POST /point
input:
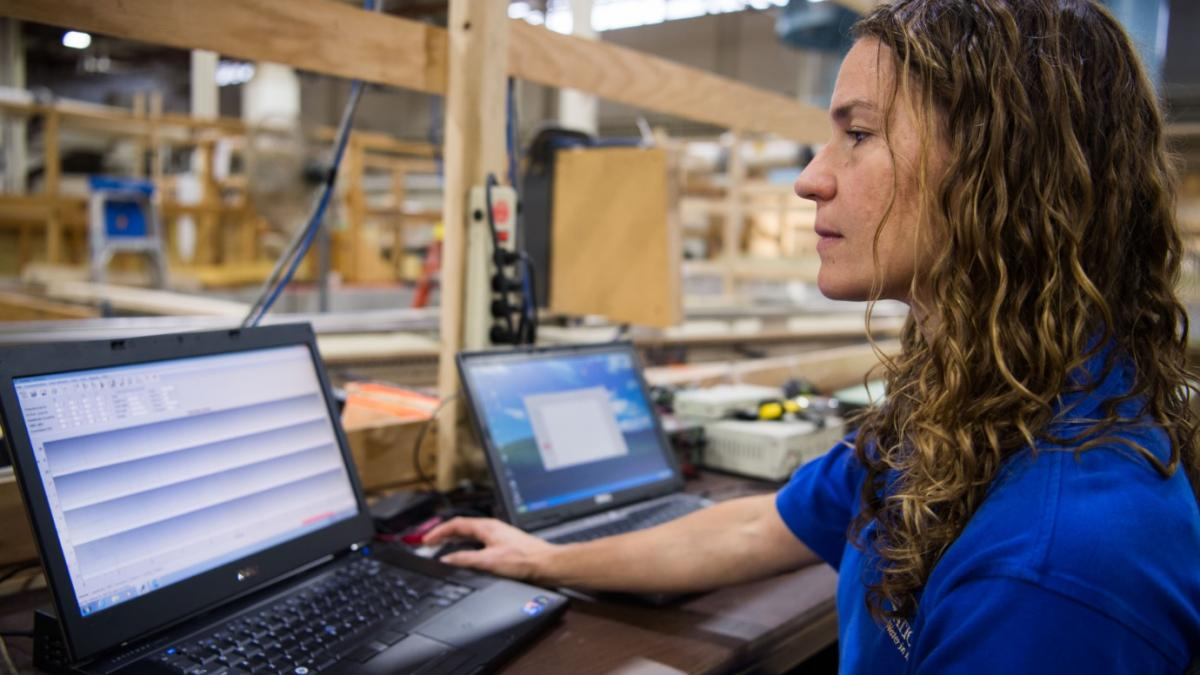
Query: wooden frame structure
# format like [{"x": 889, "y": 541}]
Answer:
[
  {"x": 149, "y": 129},
  {"x": 226, "y": 231},
  {"x": 468, "y": 62}
]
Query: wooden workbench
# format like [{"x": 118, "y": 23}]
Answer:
[{"x": 767, "y": 626}]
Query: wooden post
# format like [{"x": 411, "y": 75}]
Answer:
[
  {"x": 156, "y": 150},
  {"x": 210, "y": 201},
  {"x": 399, "y": 193},
  {"x": 155, "y": 145},
  {"x": 139, "y": 141},
  {"x": 53, "y": 173},
  {"x": 356, "y": 201},
  {"x": 576, "y": 109},
  {"x": 205, "y": 99},
  {"x": 13, "y": 137},
  {"x": 474, "y": 146},
  {"x": 780, "y": 237},
  {"x": 731, "y": 240},
  {"x": 24, "y": 256}
]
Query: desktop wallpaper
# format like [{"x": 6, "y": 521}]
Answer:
[{"x": 502, "y": 390}]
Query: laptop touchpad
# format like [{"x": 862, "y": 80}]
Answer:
[
  {"x": 498, "y": 612},
  {"x": 405, "y": 656}
]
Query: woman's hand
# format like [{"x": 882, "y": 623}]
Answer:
[
  {"x": 507, "y": 551},
  {"x": 732, "y": 542}
]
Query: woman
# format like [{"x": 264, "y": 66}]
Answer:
[{"x": 1025, "y": 501}]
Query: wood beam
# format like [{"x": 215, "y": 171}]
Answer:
[
  {"x": 731, "y": 238},
  {"x": 25, "y": 307},
  {"x": 631, "y": 77},
  {"x": 356, "y": 202},
  {"x": 337, "y": 39},
  {"x": 474, "y": 147},
  {"x": 143, "y": 300},
  {"x": 324, "y": 36},
  {"x": 374, "y": 141},
  {"x": 827, "y": 369},
  {"x": 176, "y": 127},
  {"x": 53, "y": 175}
]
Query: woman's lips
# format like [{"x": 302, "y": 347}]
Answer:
[{"x": 829, "y": 238}]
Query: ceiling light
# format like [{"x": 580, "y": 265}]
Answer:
[
  {"x": 234, "y": 72},
  {"x": 76, "y": 40}
]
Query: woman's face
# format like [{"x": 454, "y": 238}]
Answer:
[{"x": 852, "y": 180}]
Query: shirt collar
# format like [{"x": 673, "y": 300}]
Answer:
[{"x": 1107, "y": 374}]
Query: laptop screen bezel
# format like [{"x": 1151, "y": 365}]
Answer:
[
  {"x": 550, "y": 516},
  {"x": 87, "y": 636}
]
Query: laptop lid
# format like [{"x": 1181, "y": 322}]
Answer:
[
  {"x": 567, "y": 431},
  {"x": 167, "y": 475}
]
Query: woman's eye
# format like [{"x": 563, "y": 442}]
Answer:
[{"x": 858, "y": 136}]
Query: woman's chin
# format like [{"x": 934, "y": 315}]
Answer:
[{"x": 841, "y": 289}]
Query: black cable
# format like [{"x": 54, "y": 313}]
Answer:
[
  {"x": 8, "y": 662},
  {"x": 529, "y": 299},
  {"x": 304, "y": 237},
  {"x": 511, "y": 133},
  {"x": 526, "y": 332},
  {"x": 499, "y": 259},
  {"x": 17, "y": 569},
  {"x": 277, "y": 271}
]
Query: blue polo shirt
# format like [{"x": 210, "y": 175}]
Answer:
[{"x": 1086, "y": 565}]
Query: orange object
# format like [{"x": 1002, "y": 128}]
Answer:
[
  {"x": 433, "y": 264},
  {"x": 401, "y": 403}
]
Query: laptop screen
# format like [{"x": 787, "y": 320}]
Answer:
[
  {"x": 566, "y": 426},
  {"x": 157, "y": 472}
]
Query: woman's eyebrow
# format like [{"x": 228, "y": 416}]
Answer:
[{"x": 846, "y": 110}]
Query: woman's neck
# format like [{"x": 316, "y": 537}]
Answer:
[{"x": 927, "y": 320}]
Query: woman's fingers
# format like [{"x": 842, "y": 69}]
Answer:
[
  {"x": 456, "y": 528},
  {"x": 473, "y": 559}
]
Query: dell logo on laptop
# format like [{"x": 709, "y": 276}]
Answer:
[
  {"x": 604, "y": 498},
  {"x": 247, "y": 572}
]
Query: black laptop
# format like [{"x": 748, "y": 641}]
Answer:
[
  {"x": 198, "y": 511},
  {"x": 575, "y": 447}
]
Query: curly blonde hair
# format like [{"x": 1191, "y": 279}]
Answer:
[{"x": 1052, "y": 236}]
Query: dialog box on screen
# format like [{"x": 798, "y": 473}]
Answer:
[{"x": 575, "y": 427}]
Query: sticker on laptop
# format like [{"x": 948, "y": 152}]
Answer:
[{"x": 536, "y": 606}]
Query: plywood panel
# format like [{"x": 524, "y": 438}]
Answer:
[{"x": 615, "y": 253}]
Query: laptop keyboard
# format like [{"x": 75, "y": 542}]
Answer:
[
  {"x": 319, "y": 625},
  {"x": 640, "y": 519}
]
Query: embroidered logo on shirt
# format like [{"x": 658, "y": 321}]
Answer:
[{"x": 901, "y": 634}]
